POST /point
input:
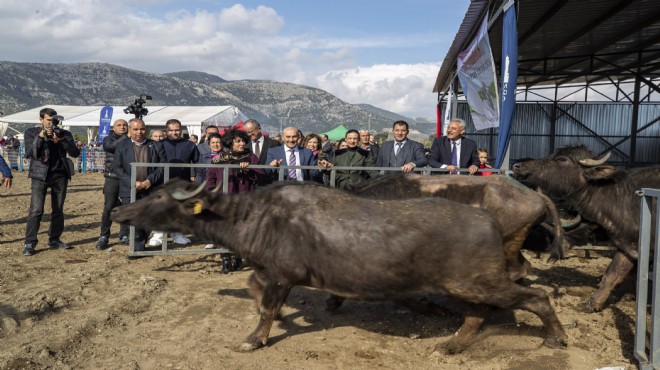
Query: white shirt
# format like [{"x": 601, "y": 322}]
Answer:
[{"x": 261, "y": 145}]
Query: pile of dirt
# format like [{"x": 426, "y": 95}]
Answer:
[{"x": 83, "y": 308}]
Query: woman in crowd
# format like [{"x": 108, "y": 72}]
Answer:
[
  {"x": 313, "y": 143},
  {"x": 241, "y": 180}
]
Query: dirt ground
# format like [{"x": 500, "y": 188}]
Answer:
[{"x": 88, "y": 309}]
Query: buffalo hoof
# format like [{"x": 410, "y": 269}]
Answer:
[
  {"x": 454, "y": 346},
  {"x": 589, "y": 307},
  {"x": 555, "y": 342},
  {"x": 248, "y": 347}
]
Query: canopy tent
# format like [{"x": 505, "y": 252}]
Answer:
[
  {"x": 336, "y": 133},
  {"x": 193, "y": 118}
]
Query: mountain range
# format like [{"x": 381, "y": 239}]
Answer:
[{"x": 274, "y": 104}]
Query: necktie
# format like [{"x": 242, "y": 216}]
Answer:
[
  {"x": 454, "y": 155},
  {"x": 292, "y": 162},
  {"x": 257, "y": 151},
  {"x": 397, "y": 149}
]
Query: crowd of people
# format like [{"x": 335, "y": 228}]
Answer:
[{"x": 129, "y": 142}]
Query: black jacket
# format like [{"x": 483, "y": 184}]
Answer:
[
  {"x": 43, "y": 152},
  {"x": 109, "y": 144},
  {"x": 124, "y": 156}
]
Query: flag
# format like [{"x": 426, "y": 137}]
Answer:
[
  {"x": 105, "y": 120},
  {"x": 476, "y": 71},
  {"x": 509, "y": 79},
  {"x": 438, "y": 126}
]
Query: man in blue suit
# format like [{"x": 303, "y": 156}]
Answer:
[
  {"x": 290, "y": 154},
  {"x": 141, "y": 150},
  {"x": 454, "y": 151},
  {"x": 401, "y": 152}
]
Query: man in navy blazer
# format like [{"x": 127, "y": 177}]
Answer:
[
  {"x": 280, "y": 155},
  {"x": 401, "y": 152},
  {"x": 259, "y": 145},
  {"x": 466, "y": 149},
  {"x": 143, "y": 150}
]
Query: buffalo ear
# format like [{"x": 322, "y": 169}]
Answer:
[
  {"x": 196, "y": 205},
  {"x": 599, "y": 172}
]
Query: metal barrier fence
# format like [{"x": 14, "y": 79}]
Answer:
[
  {"x": 90, "y": 159},
  {"x": 225, "y": 188},
  {"x": 648, "y": 355}
]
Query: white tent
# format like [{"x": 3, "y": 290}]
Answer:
[{"x": 193, "y": 118}]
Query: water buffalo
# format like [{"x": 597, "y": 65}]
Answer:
[
  {"x": 289, "y": 239},
  {"x": 601, "y": 193},
  {"x": 515, "y": 207}
]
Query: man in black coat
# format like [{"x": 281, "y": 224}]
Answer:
[
  {"x": 259, "y": 145},
  {"x": 454, "y": 151},
  {"x": 141, "y": 150},
  {"x": 48, "y": 146},
  {"x": 111, "y": 185}
]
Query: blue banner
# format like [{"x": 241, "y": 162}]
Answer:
[
  {"x": 509, "y": 79},
  {"x": 105, "y": 120}
]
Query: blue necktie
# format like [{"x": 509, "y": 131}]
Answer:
[{"x": 454, "y": 155}]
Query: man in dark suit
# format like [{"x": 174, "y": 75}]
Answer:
[
  {"x": 454, "y": 151},
  {"x": 138, "y": 149},
  {"x": 290, "y": 154},
  {"x": 401, "y": 152},
  {"x": 259, "y": 145}
]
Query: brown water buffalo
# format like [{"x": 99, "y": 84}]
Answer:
[
  {"x": 515, "y": 207},
  {"x": 289, "y": 239},
  {"x": 602, "y": 194}
]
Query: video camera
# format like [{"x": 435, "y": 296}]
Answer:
[
  {"x": 57, "y": 119},
  {"x": 136, "y": 108}
]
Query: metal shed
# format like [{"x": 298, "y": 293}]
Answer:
[{"x": 588, "y": 72}]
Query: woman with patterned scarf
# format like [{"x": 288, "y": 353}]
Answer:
[{"x": 241, "y": 180}]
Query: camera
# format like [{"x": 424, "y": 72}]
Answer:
[
  {"x": 57, "y": 119},
  {"x": 136, "y": 108}
]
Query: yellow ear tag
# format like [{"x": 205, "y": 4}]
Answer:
[{"x": 197, "y": 208}]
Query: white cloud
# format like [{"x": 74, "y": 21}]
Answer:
[
  {"x": 403, "y": 88},
  {"x": 233, "y": 43}
]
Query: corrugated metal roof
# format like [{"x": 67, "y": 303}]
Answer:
[{"x": 562, "y": 41}]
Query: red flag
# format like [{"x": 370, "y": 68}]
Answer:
[{"x": 438, "y": 126}]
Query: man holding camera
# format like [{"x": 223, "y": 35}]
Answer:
[{"x": 48, "y": 146}]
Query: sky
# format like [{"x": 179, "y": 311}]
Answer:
[{"x": 381, "y": 52}]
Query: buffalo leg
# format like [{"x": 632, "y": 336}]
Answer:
[
  {"x": 516, "y": 264},
  {"x": 616, "y": 272},
  {"x": 257, "y": 290},
  {"x": 537, "y": 302},
  {"x": 272, "y": 300},
  {"x": 474, "y": 316}
]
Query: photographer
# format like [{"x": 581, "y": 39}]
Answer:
[{"x": 47, "y": 147}]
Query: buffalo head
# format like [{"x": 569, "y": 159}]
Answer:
[
  {"x": 564, "y": 172},
  {"x": 171, "y": 208}
]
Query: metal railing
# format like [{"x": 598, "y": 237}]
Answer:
[
  {"x": 90, "y": 159},
  {"x": 648, "y": 356}
]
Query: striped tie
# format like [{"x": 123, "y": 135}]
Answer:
[{"x": 292, "y": 162}]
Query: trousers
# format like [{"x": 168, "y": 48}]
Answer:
[
  {"x": 140, "y": 234},
  {"x": 111, "y": 200},
  {"x": 57, "y": 184}
]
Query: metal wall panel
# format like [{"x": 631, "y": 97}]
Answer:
[{"x": 596, "y": 125}]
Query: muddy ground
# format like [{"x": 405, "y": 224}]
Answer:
[{"x": 88, "y": 309}]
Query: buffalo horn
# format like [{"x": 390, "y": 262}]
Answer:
[
  {"x": 570, "y": 223},
  {"x": 217, "y": 188},
  {"x": 595, "y": 162},
  {"x": 183, "y": 195}
]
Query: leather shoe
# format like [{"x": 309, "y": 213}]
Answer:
[
  {"x": 28, "y": 250},
  {"x": 102, "y": 243},
  {"x": 58, "y": 244}
]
